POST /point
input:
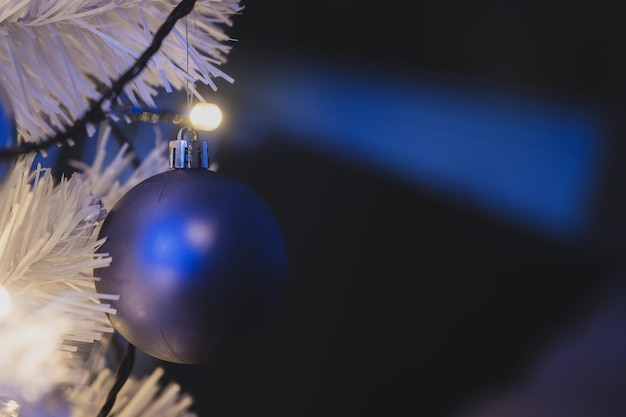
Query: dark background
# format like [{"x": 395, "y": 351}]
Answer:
[{"x": 403, "y": 298}]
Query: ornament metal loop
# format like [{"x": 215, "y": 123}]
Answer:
[
  {"x": 185, "y": 131},
  {"x": 188, "y": 153}
]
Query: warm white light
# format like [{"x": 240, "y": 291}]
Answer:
[
  {"x": 9, "y": 408},
  {"x": 205, "y": 116},
  {"x": 5, "y": 301}
]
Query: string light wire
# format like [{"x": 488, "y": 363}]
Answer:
[
  {"x": 95, "y": 112},
  {"x": 123, "y": 372}
]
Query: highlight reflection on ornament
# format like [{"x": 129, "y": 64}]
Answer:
[{"x": 198, "y": 260}]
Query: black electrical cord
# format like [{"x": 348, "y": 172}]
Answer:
[
  {"x": 95, "y": 114},
  {"x": 123, "y": 372}
]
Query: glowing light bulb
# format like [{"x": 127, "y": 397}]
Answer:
[
  {"x": 9, "y": 408},
  {"x": 206, "y": 116},
  {"x": 5, "y": 301}
]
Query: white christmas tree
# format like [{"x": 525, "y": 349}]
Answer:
[{"x": 63, "y": 66}]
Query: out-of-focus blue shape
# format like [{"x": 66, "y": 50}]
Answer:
[{"x": 528, "y": 160}]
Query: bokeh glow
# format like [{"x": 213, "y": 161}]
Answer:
[{"x": 206, "y": 116}]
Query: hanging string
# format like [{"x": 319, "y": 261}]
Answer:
[
  {"x": 187, "y": 69},
  {"x": 95, "y": 113}
]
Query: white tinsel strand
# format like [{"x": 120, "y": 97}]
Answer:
[{"x": 53, "y": 54}]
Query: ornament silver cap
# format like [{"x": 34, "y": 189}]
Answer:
[{"x": 187, "y": 152}]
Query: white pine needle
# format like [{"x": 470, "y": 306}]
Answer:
[
  {"x": 47, "y": 255},
  {"x": 52, "y": 50},
  {"x": 104, "y": 180},
  {"x": 144, "y": 397}
]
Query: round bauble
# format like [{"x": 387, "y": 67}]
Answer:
[
  {"x": 199, "y": 262},
  {"x": 8, "y": 133}
]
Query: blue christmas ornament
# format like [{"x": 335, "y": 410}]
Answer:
[
  {"x": 8, "y": 133},
  {"x": 198, "y": 260}
]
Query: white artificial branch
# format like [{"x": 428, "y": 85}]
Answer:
[
  {"x": 47, "y": 255},
  {"x": 54, "y": 53},
  {"x": 48, "y": 250}
]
